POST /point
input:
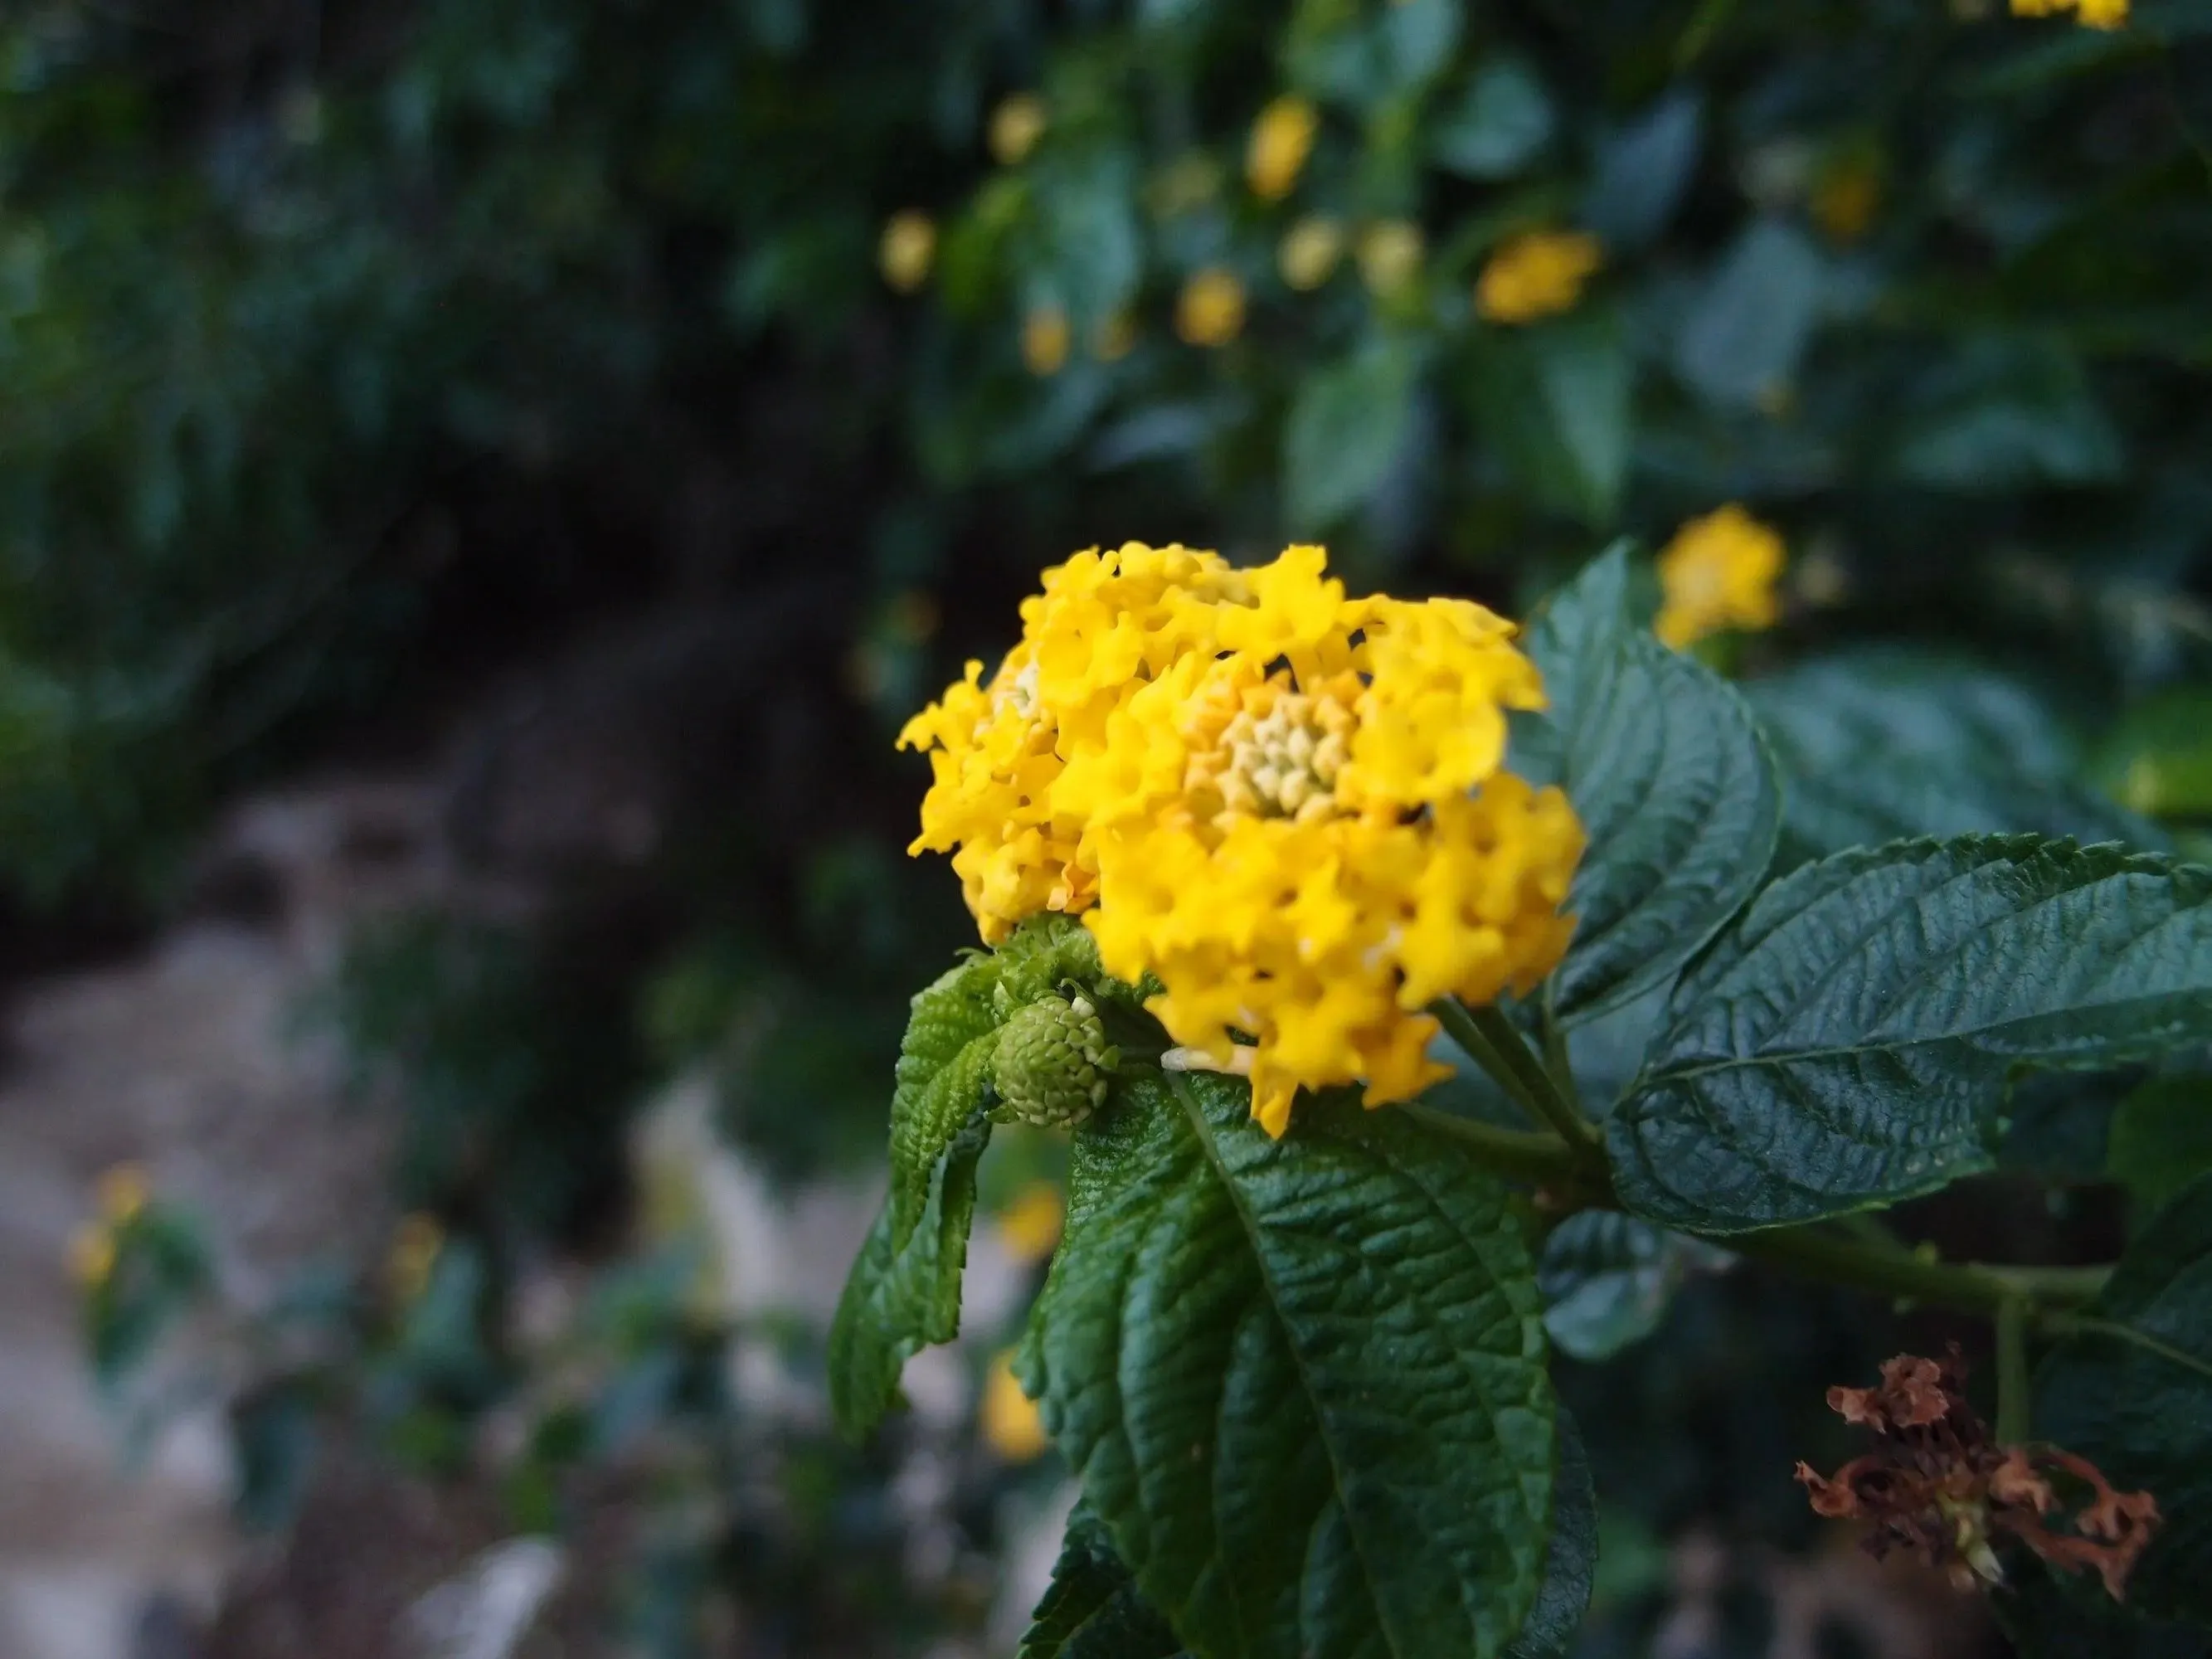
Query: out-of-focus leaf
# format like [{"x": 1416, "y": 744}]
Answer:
[
  {"x": 1742, "y": 341},
  {"x": 1345, "y": 430},
  {"x": 1642, "y": 171},
  {"x": 1498, "y": 127},
  {"x": 1608, "y": 1279},
  {"x": 1570, "y": 1560},
  {"x": 1555, "y": 400},
  {"x": 2004, "y": 414},
  {"x": 2162, "y": 1140},
  {"x": 2158, "y": 758}
]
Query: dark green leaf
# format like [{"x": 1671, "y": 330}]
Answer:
[
  {"x": 2049, "y": 1617},
  {"x": 2162, "y": 1140},
  {"x": 2004, "y": 414},
  {"x": 1608, "y": 1279},
  {"x": 1878, "y": 746},
  {"x": 1344, "y": 432},
  {"x": 1672, "y": 782},
  {"x": 2134, "y": 1396},
  {"x": 1570, "y": 1561},
  {"x": 1847, "y": 1044},
  {"x": 1499, "y": 126},
  {"x": 1740, "y": 344},
  {"x": 1092, "y": 1609},
  {"x": 1554, "y": 400},
  {"x": 1303, "y": 1381},
  {"x": 1642, "y": 171}
]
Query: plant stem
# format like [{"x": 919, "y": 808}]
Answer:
[
  {"x": 1519, "y": 1153},
  {"x": 1452, "y": 1014},
  {"x": 2013, "y": 1389},
  {"x": 1970, "y": 1287},
  {"x": 1538, "y": 1091}
]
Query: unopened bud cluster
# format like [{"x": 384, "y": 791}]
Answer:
[{"x": 1053, "y": 1062}]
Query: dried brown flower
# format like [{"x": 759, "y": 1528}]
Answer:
[{"x": 1939, "y": 1485}]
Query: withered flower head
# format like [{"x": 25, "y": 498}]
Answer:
[{"x": 1939, "y": 1485}]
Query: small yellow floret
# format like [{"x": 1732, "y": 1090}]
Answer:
[
  {"x": 1029, "y": 1226},
  {"x": 1015, "y": 126},
  {"x": 1389, "y": 257},
  {"x": 417, "y": 1243},
  {"x": 1310, "y": 252},
  {"x": 2094, "y": 14},
  {"x": 91, "y": 1255},
  {"x": 1012, "y": 1425},
  {"x": 1282, "y": 139},
  {"x": 908, "y": 250},
  {"x": 1719, "y": 572},
  {"x": 1209, "y": 311},
  {"x": 1538, "y": 273},
  {"x": 1045, "y": 339},
  {"x": 122, "y": 1193},
  {"x": 1115, "y": 337}
]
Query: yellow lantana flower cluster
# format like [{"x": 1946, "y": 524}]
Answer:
[
  {"x": 1538, "y": 273},
  {"x": 1719, "y": 572},
  {"x": 1289, "y": 805},
  {"x": 2095, "y": 13}
]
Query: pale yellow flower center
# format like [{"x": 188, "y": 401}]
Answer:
[{"x": 1279, "y": 760}]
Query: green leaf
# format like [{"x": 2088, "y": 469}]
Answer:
[
  {"x": 1644, "y": 171},
  {"x": 1570, "y": 1560},
  {"x": 1344, "y": 433},
  {"x": 1092, "y": 1609},
  {"x": 2162, "y": 1140},
  {"x": 1672, "y": 782},
  {"x": 2158, "y": 758},
  {"x": 1499, "y": 125},
  {"x": 1608, "y": 1279},
  {"x": 1741, "y": 343},
  {"x": 2134, "y": 1396},
  {"x": 1847, "y": 1043},
  {"x": 1303, "y": 1381},
  {"x": 2007, "y": 415},
  {"x": 2050, "y": 1617},
  {"x": 1881, "y": 745},
  {"x": 1554, "y": 400}
]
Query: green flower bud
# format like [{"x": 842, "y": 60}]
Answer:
[{"x": 1053, "y": 1062}]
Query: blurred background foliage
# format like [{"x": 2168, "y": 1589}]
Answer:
[{"x": 353, "y": 355}]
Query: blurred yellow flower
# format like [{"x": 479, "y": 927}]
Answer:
[
  {"x": 1539, "y": 273},
  {"x": 1311, "y": 251},
  {"x": 1045, "y": 339},
  {"x": 1013, "y": 1426},
  {"x": 122, "y": 1193},
  {"x": 1719, "y": 572},
  {"x": 1846, "y": 199},
  {"x": 1115, "y": 337},
  {"x": 1030, "y": 1225},
  {"x": 2095, "y": 13},
  {"x": 1389, "y": 255},
  {"x": 1289, "y": 805},
  {"x": 1282, "y": 139},
  {"x": 1210, "y": 310},
  {"x": 908, "y": 250},
  {"x": 416, "y": 1244},
  {"x": 1016, "y": 125},
  {"x": 92, "y": 1255}
]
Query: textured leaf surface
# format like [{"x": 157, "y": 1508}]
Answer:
[
  {"x": 1302, "y": 1381},
  {"x": 2162, "y": 1140},
  {"x": 1608, "y": 1279},
  {"x": 2137, "y": 1400},
  {"x": 1672, "y": 779},
  {"x": 1847, "y": 1043},
  {"x": 1570, "y": 1561},
  {"x": 2048, "y": 1618},
  {"x": 1879, "y": 745},
  {"x": 1093, "y": 1609}
]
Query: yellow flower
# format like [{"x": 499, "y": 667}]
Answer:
[
  {"x": 2095, "y": 13},
  {"x": 1116, "y": 336},
  {"x": 92, "y": 1255},
  {"x": 1030, "y": 1225},
  {"x": 1846, "y": 201},
  {"x": 1389, "y": 255},
  {"x": 1011, "y": 1423},
  {"x": 1016, "y": 125},
  {"x": 1719, "y": 572},
  {"x": 1045, "y": 339},
  {"x": 1310, "y": 252},
  {"x": 1282, "y": 139},
  {"x": 416, "y": 1244},
  {"x": 906, "y": 250},
  {"x": 1537, "y": 274},
  {"x": 121, "y": 1193},
  {"x": 1289, "y": 805},
  {"x": 1210, "y": 310}
]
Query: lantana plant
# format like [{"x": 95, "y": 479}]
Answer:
[{"x": 1256, "y": 864}]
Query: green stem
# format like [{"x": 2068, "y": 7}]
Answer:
[
  {"x": 1970, "y": 1287},
  {"x": 1515, "y": 1152},
  {"x": 2014, "y": 1390},
  {"x": 1544, "y": 1095}
]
